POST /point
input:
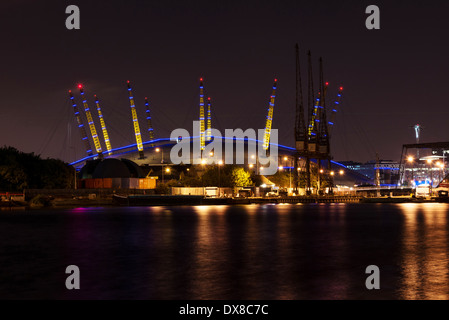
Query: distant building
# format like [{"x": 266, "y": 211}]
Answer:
[
  {"x": 114, "y": 174},
  {"x": 388, "y": 171}
]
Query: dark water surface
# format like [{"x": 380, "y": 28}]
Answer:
[{"x": 309, "y": 251}]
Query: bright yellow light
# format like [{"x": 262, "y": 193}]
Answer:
[
  {"x": 429, "y": 161},
  {"x": 410, "y": 159},
  {"x": 203, "y": 161},
  {"x": 220, "y": 162},
  {"x": 332, "y": 173},
  {"x": 167, "y": 170},
  {"x": 251, "y": 165},
  {"x": 252, "y": 157},
  {"x": 299, "y": 169},
  {"x": 261, "y": 168},
  {"x": 157, "y": 149},
  {"x": 211, "y": 154},
  {"x": 321, "y": 171},
  {"x": 285, "y": 158},
  {"x": 281, "y": 167},
  {"x": 438, "y": 163}
]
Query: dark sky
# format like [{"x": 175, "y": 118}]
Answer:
[{"x": 394, "y": 77}]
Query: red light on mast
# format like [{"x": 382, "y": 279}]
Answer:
[
  {"x": 341, "y": 88},
  {"x": 80, "y": 86},
  {"x": 327, "y": 83},
  {"x": 208, "y": 99},
  {"x": 201, "y": 79}
]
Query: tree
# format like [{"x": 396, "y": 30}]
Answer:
[
  {"x": 19, "y": 170},
  {"x": 240, "y": 177}
]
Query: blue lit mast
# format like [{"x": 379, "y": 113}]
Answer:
[
  {"x": 150, "y": 126},
  {"x": 334, "y": 111},
  {"x": 80, "y": 125}
]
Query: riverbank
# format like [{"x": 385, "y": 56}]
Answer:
[{"x": 179, "y": 200}]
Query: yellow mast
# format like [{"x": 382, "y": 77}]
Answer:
[
  {"x": 135, "y": 122},
  {"x": 103, "y": 127},
  {"x": 202, "y": 129},
  {"x": 266, "y": 140},
  {"x": 209, "y": 122}
]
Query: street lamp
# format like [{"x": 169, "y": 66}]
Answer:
[
  {"x": 203, "y": 163},
  {"x": 257, "y": 163},
  {"x": 162, "y": 161},
  {"x": 429, "y": 162}
]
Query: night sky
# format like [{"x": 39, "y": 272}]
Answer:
[{"x": 393, "y": 78}]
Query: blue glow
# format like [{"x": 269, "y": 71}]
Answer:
[{"x": 337, "y": 163}]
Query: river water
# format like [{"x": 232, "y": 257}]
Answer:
[{"x": 267, "y": 252}]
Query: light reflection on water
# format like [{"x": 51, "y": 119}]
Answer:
[
  {"x": 306, "y": 251},
  {"x": 425, "y": 252}
]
